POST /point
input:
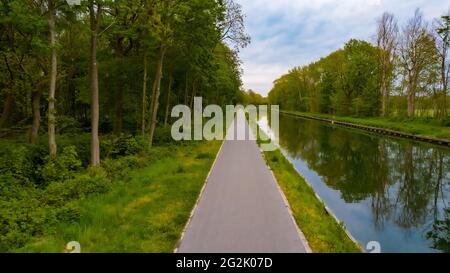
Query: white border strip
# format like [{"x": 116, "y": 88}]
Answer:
[
  {"x": 198, "y": 199},
  {"x": 291, "y": 214},
  {"x": 285, "y": 200}
]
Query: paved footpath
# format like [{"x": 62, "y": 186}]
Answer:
[{"x": 241, "y": 209}]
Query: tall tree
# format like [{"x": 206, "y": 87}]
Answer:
[
  {"x": 442, "y": 33},
  {"x": 95, "y": 13},
  {"x": 165, "y": 15},
  {"x": 232, "y": 26},
  {"x": 387, "y": 43},
  {"x": 51, "y": 17},
  {"x": 417, "y": 52}
]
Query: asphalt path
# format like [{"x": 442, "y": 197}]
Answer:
[{"x": 241, "y": 208}]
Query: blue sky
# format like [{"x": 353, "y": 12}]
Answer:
[{"x": 289, "y": 33}]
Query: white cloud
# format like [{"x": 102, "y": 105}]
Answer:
[{"x": 288, "y": 33}]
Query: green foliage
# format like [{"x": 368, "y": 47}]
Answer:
[
  {"x": 323, "y": 233},
  {"x": 36, "y": 213},
  {"x": 17, "y": 163},
  {"x": 59, "y": 193},
  {"x": 68, "y": 125},
  {"x": 163, "y": 137},
  {"x": 440, "y": 233},
  {"x": 38, "y": 192},
  {"x": 250, "y": 97},
  {"x": 20, "y": 220},
  {"x": 61, "y": 167},
  {"x": 344, "y": 82},
  {"x": 150, "y": 204},
  {"x": 120, "y": 146}
]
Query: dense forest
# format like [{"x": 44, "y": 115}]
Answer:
[
  {"x": 114, "y": 66},
  {"x": 86, "y": 92},
  {"x": 405, "y": 73}
]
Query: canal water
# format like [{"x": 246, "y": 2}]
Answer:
[{"x": 384, "y": 189}]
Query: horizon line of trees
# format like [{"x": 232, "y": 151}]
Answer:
[
  {"x": 404, "y": 73},
  {"x": 107, "y": 66}
]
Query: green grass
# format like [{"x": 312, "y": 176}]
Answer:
[
  {"x": 145, "y": 211},
  {"x": 321, "y": 230},
  {"x": 323, "y": 233},
  {"x": 420, "y": 127}
]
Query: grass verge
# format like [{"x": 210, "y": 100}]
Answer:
[
  {"x": 419, "y": 127},
  {"x": 145, "y": 210},
  {"x": 323, "y": 233},
  {"x": 321, "y": 230}
]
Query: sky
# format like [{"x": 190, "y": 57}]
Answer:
[{"x": 290, "y": 33}]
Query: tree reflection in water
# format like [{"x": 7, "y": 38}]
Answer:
[{"x": 406, "y": 182}]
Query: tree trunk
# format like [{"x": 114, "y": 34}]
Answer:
[
  {"x": 169, "y": 90},
  {"x": 118, "y": 113},
  {"x": 384, "y": 107},
  {"x": 36, "y": 106},
  {"x": 384, "y": 93},
  {"x": 410, "y": 101},
  {"x": 8, "y": 103},
  {"x": 53, "y": 74},
  {"x": 444, "y": 79},
  {"x": 7, "y": 110},
  {"x": 156, "y": 92},
  {"x": 186, "y": 89},
  {"x": 194, "y": 92},
  {"x": 95, "y": 143},
  {"x": 144, "y": 94},
  {"x": 118, "y": 117}
]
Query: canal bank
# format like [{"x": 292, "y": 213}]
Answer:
[
  {"x": 324, "y": 232},
  {"x": 395, "y": 129}
]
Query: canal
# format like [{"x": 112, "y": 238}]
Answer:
[{"x": 393, "y": 191}]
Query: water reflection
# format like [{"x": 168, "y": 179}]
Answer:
[{"x": 402, "y": 185}]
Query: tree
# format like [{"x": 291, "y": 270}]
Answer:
[
  {"x": 122, "y": 33},
  {"x": 442, "y": 34},
  {"x": 417, "y": 55},
  {"x": 165, "y": 15},
  {"x": 25, "y": 48},
  {"x": 232, "y": 27},
  {"x": 95, "y": 13},
  {"x": 387, "y": 43},
  {"x": 51, "y": 17},
  {"x": 361, "y": 78},
  {"x": 48, "y": 53}
]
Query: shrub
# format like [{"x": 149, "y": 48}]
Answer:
[
  {"x": 62, "y": 166},
  {"x": 446, "y": 122},
  {"x": 163, "y": 136},
  {"x": 16, "y": 162},
  {"x": 59, "y": 193},
  {"x": 82, "y": 142},
  {"x": 117, "y": 168},
  {"x": 21, "y": 220},
  {"x": 68, "y": 125},
  {"x": 11, "y": 187},
  {"x": 121, "y": 146},
  {"x": 69, "y": 213}
]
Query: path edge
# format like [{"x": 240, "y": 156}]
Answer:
[
  {"x": 288, "y": 207},
  {"x": 177, "y": 245}
]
